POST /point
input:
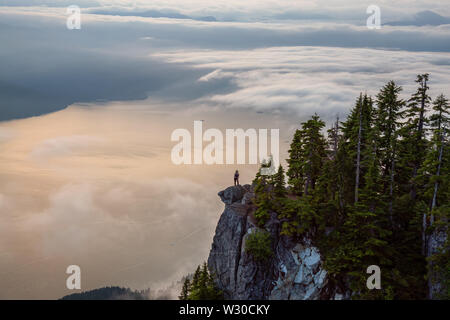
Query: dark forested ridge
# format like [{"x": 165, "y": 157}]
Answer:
[
  {"x": 119, "y": 293},
  {"x": 373, "y": 190},
  {"x": 109, "y": 293}
]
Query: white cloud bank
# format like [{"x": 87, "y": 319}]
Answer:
[
  {"x": 254, "y": 9},
  {"x": 93, "y": 185},
  {"x": 304, "y": 80}
]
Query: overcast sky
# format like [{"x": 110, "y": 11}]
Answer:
[{"x": 92, "y": 184}]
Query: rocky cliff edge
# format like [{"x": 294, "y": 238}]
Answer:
[{"x": 294, "y": 272}]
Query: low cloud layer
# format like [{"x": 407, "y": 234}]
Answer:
[
  {"x": 93, "y": 184},
  {"x": 305, "y": 80},
  {"x": 252, "y": 10}
]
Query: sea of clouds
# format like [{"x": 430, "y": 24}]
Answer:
[{"x": 92, "y": 184}]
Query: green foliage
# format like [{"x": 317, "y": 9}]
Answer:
[
  {"x": 300, "y": 218},
  {"x": 110, "y": 293},
  {"x": 262, "y": 199},
  {"x": 259, "y": 245},
  {"x": 294, "y": 172},
  {"x": 267, "y": 188},
  {"x": 202, "y": 286},
  {"x": 306, "y": 156},
  {"x": 279, "y": 183},
  {"x": 184, "y": 295},
  {"x": 371, "y": 193}
]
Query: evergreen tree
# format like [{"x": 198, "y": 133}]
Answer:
[
  {"x": 294, "y": 173},
  {"x": 328, "y": 194},
  {"x": 414, "y": 142},
  {"x": 354, "y": 145},
  {"x": 440, "y": 122},
  {"x": 307, "y": 154},
  {"x": 368, "y": 223},
  {"x": 429, "y": 174},
  {"x": 387, "y": 123},
  {"x": 185, "y": 290},
  {"x": 279, "y": 183},
  {"x": 307, "y": 158},
  {"x": 263, "y": 194},
  {"x": 202, "y": 286},
  {"x": 371, "y": 193},
  {"x": 334, "y": 184},
  {"x": 313, "y": 153}
]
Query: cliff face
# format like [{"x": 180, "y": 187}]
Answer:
[{"x": 294, "y": 271}]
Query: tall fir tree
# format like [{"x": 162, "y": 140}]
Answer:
[
  {"x": 184, "y": 295},
  {"x": 279, "y": 183},
  {"x": 354, "y": 144},
  {"x": 263, "y": 186},
  {"x": 410, "y": 208},
  {"x": 387, "y": 123},
  {"x": 307, "y": 154},
  {"x": 202, "y": 286},
  {"x": 294, "y": 173},
  {"x": 414, "y": 142},
  {"x": 328, "y": 193},
  {"x": 440, "y": 124},
  {"x": 435, "y": 177}
]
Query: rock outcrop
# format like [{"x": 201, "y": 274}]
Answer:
[
  {"x": 436, "y": 242},
  {"x": 294, "y": 272}
]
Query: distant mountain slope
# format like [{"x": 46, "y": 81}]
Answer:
[
  {"x": 150, "y": 14},
  {"x": 109, "y": 293},
  {"x": 423, "y": 18},
  {"x": 170, "y": 292}
]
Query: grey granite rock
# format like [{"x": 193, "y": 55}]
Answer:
[
  {"x": 294, "y": 272},
  {"x": 436, "y": 242}
]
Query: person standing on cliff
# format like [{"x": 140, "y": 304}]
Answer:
[{"x": 236, "y": 178}]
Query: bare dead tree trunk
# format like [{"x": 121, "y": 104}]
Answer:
[
  {"x": 416, "y": 167},
  {"x": 433, "y": 205},
  {"x": 335, "y": 147},
  {"x": 335, "y": 138},
  {"x": 307, "y": 185},
  {"x": 391, "y": 182},
  {"x": 422, "y": 107},
  {"x": 419, "y": 138},
  {"x": 335, "y": 132},
  {"x": 308, "y": 175},
  {"x": 436, "y": 184},
  {"x": 358, "y": 156}
]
